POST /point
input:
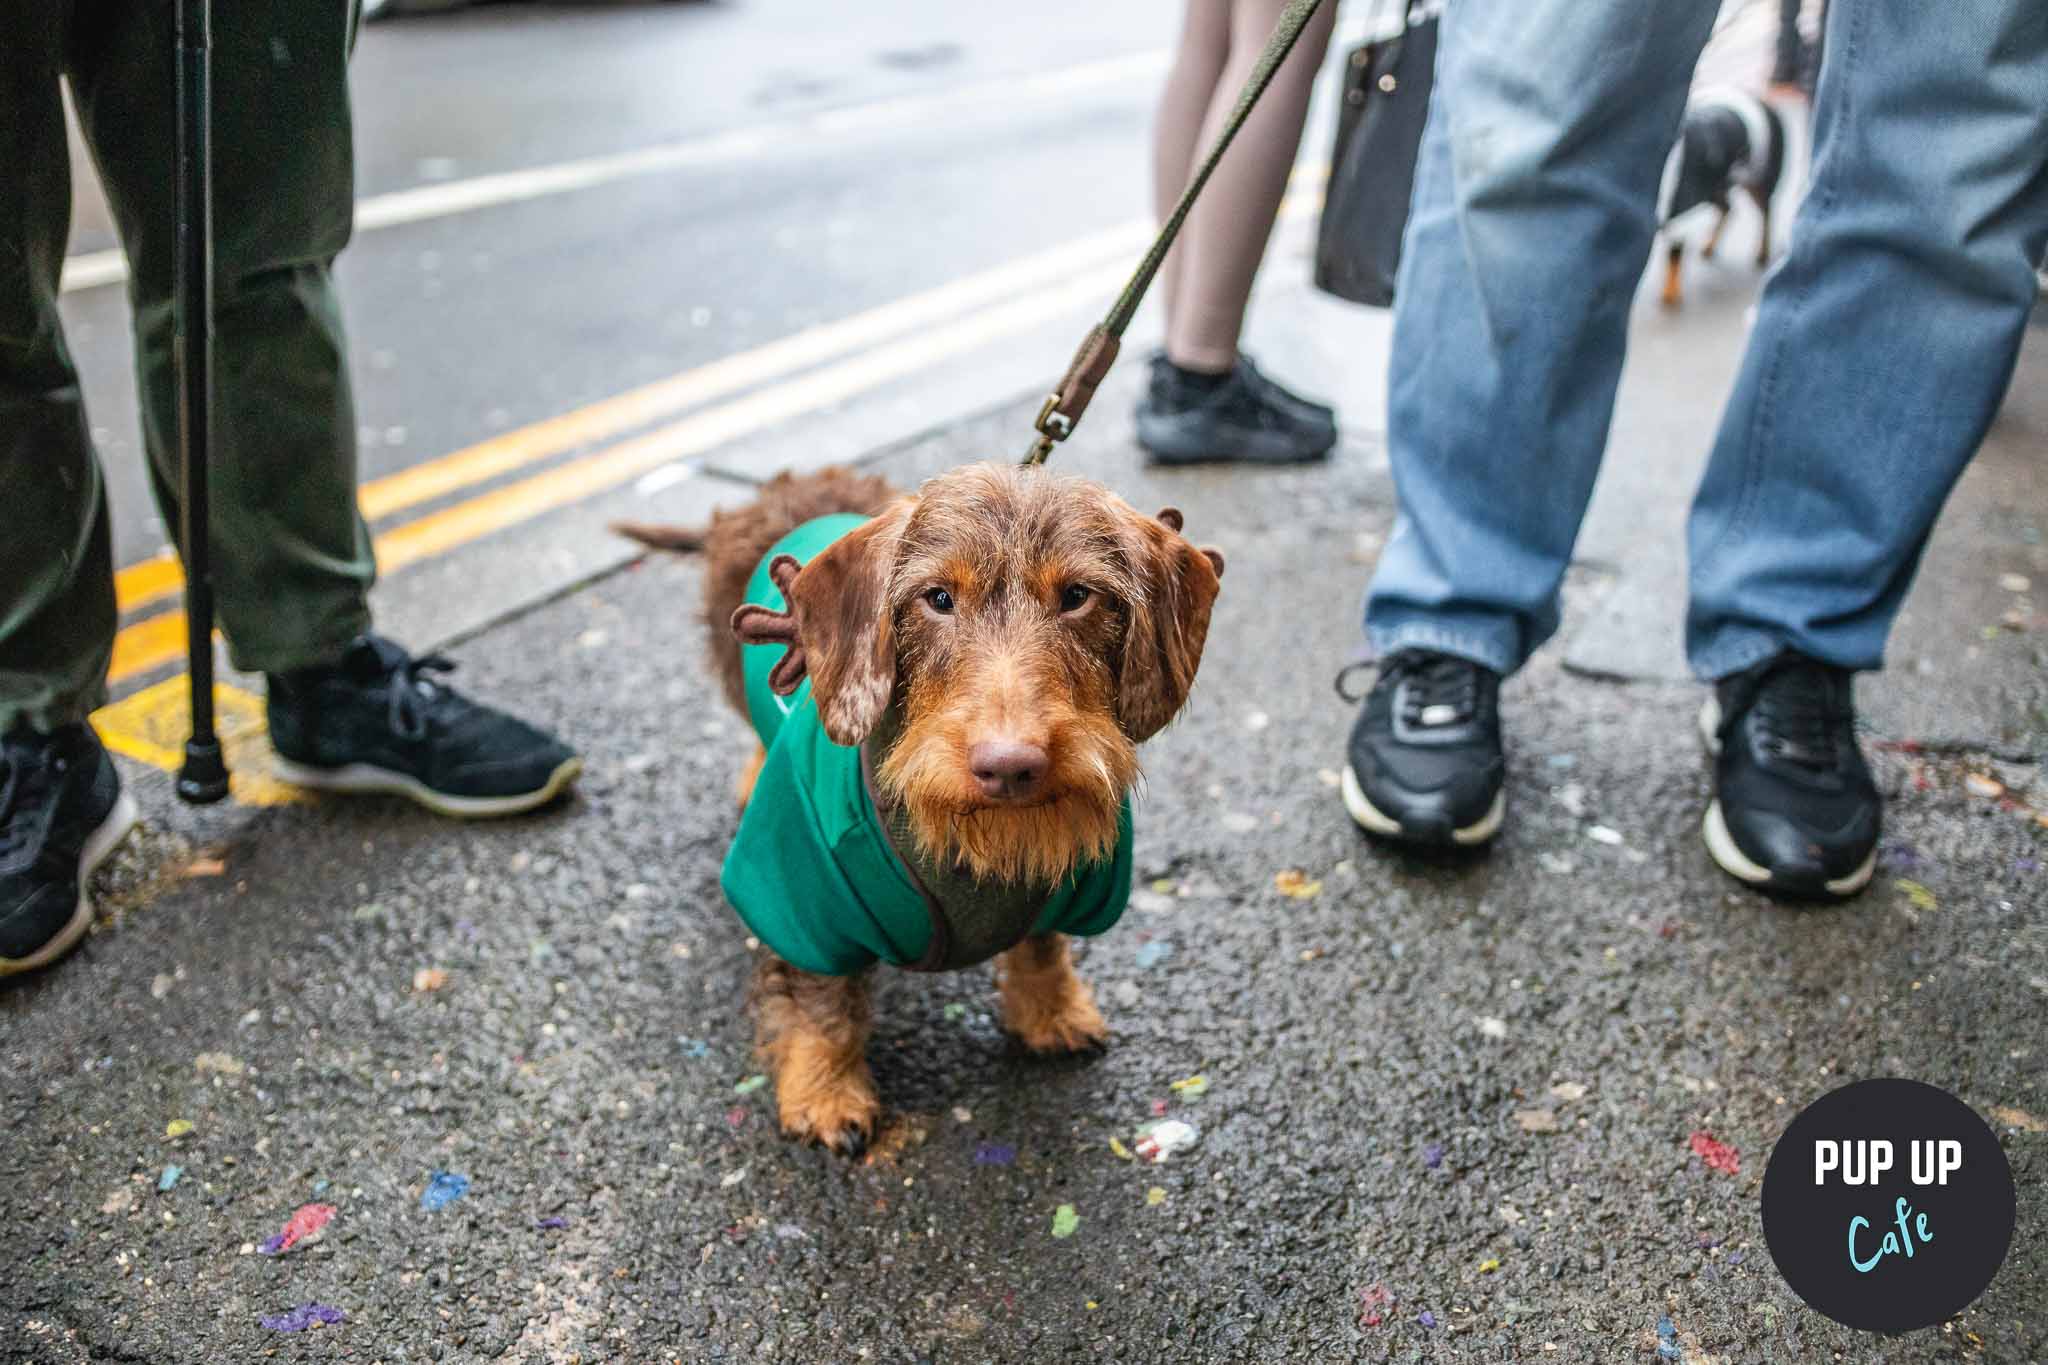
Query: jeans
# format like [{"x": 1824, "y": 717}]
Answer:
[{"x": 1883, "y": 342}]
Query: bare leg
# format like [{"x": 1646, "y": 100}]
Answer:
[
  {"x": 1226, "y": 234},
  {"x": 1046, "y": 1004},
  {"x": 811, "y": 1033},
  {"x": 1190, "y": 86}
]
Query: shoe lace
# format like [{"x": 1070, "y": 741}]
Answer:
[
  {"x": 1442, "y": 689},
  {"x": 1437, "y": 681},
  {"x": 1799, "y": 712},
  {"x": 414, "y": 694},
  {"x": 19, "y": 788}
]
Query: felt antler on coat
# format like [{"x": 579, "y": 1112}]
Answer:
[{"x": 755, "y": 624}]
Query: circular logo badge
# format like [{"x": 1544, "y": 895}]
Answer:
[{"x": 1888, "y": 1205}]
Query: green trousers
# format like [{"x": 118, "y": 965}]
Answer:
[{"x": 292, "y": 562}]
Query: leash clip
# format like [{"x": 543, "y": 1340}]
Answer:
[{"x": 1052, "y": 426}]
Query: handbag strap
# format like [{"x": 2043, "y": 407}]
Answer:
[{"x": 1062, "y": 410}]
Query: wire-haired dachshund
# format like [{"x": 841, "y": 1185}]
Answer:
[{"x": 949, "y": 688}]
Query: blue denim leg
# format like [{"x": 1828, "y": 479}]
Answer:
[
  {"x": 1532, "y": 219},
  {"x": 1885, "y": 338}
]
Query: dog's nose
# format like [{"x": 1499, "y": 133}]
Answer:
[{"x": 1006, "y": 768}]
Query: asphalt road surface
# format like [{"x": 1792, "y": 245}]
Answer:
[{"x": 1447, "y": 1104}]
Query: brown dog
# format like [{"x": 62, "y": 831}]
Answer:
[{"x": 996, "y": 647}]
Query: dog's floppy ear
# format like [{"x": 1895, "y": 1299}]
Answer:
[
  {"x": 1169, "y": 621},
  {"x": 838, "y": 625}
]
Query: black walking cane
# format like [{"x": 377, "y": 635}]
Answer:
[{"x": 204, "y": 776}]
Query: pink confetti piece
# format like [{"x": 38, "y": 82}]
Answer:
[{"x": 303, "y": 1226}]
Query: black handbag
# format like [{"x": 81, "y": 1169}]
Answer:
[{"x": 1372, "y": 169}]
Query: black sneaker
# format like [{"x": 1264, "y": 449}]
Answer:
[
  {"x": 62, "y": 811},
  {"x": 1241, "y": 416},
  {"x": 376, "y": 722},
  {"x": 1795, "y": 810},
  {"x": 1425, "y": 758},
  {"x": 1306, "y": 408}
]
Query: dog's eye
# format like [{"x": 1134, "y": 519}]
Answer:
[
  {"x": 941, "y": 601},
  {"x": 1075, "y": 596}
]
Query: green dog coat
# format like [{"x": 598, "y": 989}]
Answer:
[{"x": 831, "y": 884}]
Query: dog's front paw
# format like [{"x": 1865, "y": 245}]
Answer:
[
  {"x": 1068, "y": 1023},
  {"x": 839, "y": 1113}
]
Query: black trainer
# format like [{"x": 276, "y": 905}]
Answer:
[
  {"x": 62, "y": 811},
  {"x": 376, "y": 722},
  {"x": 1425, "y": 762},
  {"x": 1795, "y": 810},
  {"x": 1242, "y": 416}
]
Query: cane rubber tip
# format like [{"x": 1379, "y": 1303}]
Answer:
[{"x": 204, "y": 778}]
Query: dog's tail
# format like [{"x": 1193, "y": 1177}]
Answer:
[{"x": 676, "y": 540}]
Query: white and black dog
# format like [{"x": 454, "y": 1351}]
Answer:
[{"x": 1730, "y": 140}]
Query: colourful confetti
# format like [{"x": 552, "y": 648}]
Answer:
[
  {"x": 1426, "y": 1318},
  {"x": 177, "y": 1128},
  {"x": 995, "y": 1154},
  {"x": 694, "y": 1048},
  {"x": 1153, "y": 953},
  {"x": 1374, "y": 1305},
  {"x": 304, "y": 1316},
  {"x": 303, "y": 1226},
  {"x": 553, "y": 1224},
  {"x": 750, "y": 1085},
  {"x": 443, "y": 1188},
  {"x": 1719, "y": 1156},
  {"x": 1193, "y": 1088},
  {"x": 1296, "y": 885},
  {"x": 1154, "y": 1197},
  {"x": 1489, "y": 1265},
  {"x": 1161, "y": 1140},
  {"x": 1433, "y": 1156},
  {"x": 168, "y": 1181},
  {"x": 1922, "y": 898},
  {"x": 1065, "y": 1222},
  {"x": 1118, "y": 1150}
]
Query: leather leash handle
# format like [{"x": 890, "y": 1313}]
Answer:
[{"x": 1065, "y": 405}]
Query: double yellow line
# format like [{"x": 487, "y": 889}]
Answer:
[{"x": 783, "y": 379}]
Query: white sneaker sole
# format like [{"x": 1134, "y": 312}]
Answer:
[
  {"x": 1721, "y": 844},
  {"x": 1376, "y": 821},
  {"x": 98, "y": 845},
  {"x": 362, "y": 779}
]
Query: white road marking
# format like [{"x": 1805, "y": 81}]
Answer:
[{"x": 95, "y": 269}]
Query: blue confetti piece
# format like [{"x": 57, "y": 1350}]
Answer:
[
  {"x": 1427, "y": 1319},
  {"x": 1433, "y": 1155},
  {"x": 321, "y": 1186},
  {"x": 1668, "y": 1350},
  {"x": 443, "y": 1189},
  {"x": 994, "y": 1154},
  {"x": 1666, "y": 1328},
  {"x": 1152, "y": 953},
  {"x": 551, "y": 1224},
  {"x": 1563, "y": 761},
  {"x": 694, "y": 1047},
  {"x": 1736, "y": 1258},
  {"x": 169, "y": 1179},
  {"x": 304, "y": 1316}
]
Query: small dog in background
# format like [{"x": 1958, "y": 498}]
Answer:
[
  {"x": 1730, "y": 140},
  {"x": 983, "y": 659}
]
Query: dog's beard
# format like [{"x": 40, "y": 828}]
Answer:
[{"x": 1041, "y": 842}]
